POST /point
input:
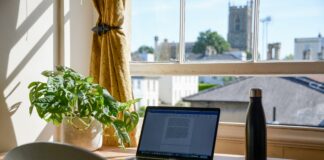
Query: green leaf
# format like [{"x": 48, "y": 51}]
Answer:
[
  {"x": 108, "y": 98},
  {"x": 121, "y": 132},
  {"x": 47, "y": 73},
  {"x": 60, "y": 68},
  {"x": 33, "y": 84},
  {"x": 31, "y": 109},
  {"x": 126, "y": 105},
  {"x": 89, "y": 79},
  {"x": 130, "y": 120}
]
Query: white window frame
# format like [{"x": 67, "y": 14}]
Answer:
[{"x": 253, "y": 67}]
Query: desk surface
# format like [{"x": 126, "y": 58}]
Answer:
[{"x": 120, "y": 154}]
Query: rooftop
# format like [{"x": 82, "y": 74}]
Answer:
[{"x": 296, "y": 99}]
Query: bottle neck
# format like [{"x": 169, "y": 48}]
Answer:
[{"x": 256, "y": 99}]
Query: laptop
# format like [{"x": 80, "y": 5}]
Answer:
[{"x": 178, "y": 133}]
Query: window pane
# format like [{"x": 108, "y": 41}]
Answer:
[
  {"x": 218, "y": 30},
  {"x": 155, "y": 30},
  {"x": 291, "y": 30},
  {"x": 286, "y": 100}
]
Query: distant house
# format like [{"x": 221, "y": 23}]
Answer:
[
  {"x": 297, "y": 100},
  {"x": 142, "y": 57},
  {"x": 146, "y": 88},
  {"x": 173, "y": 88},
  {"x": 168, "y": 51},
  {"x": 309, "y": 48}
]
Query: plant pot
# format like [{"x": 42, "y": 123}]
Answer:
[
  {"x": 139, "y": 128},
  {"x": 82, "y": 132}
]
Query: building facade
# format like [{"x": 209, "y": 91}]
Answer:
[
  {"x": 146, "y": 88},
  {"x": 309, "y": 48},
  {"x": 173, "y": 88}
]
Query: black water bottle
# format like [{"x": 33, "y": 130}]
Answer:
[{"x": 255, "y": 129}]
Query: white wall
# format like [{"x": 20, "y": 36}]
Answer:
[
  {"x": 31, "y": 40},
  {"x": 78, "y": 21},
  {"x": 147, "y": 89},
  {"x": 27, "y": 46},
  {"x": 183, "y": 86},
  {"x": 314, "y": 44},
  {"x": 173, "y": 88},
  {"x": 165, "y": 89}
]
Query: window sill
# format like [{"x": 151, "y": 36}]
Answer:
[
  {"x": 282, "y": 134},
  {"x": 241, "y": 68},
  {"x": 283, "y": 141}
]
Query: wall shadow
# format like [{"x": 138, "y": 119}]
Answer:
[
  {"x": 9, "y": 36},
  {"x": 9, "y": 15},
  {"x": 47, "y": 133}
]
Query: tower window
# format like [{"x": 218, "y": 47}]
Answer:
[{"x": 237, "y": 23}]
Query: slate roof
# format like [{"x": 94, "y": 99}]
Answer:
[
  {"x": 215, "y": 57},
  {"x": 297, "y": 102}
]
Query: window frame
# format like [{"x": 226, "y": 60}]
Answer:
[{"x": 252, "y": 67}]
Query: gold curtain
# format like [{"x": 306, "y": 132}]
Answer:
[{"x": 109, "y": 60}]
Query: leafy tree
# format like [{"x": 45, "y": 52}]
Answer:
[
  {"x": 209, "y": 38},
  {"x": 248, "y": 55},
  {"x": 289, "y": 57},
  {"x": 145, "y": 49}
]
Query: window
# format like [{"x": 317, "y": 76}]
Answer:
[
  {"x": 157, "y": 23},
  {"x": 291, "y": 27},
  {"x": 306, "y": 54},
  {"x": 237, "y": 23},
  {"x": 180, "y": 17},
  {"x": 286, "y": 100},
  {"x": 266, "y": 52},
  {"x": 149, "y": 85},
  {"x": 138, "y": 84}
]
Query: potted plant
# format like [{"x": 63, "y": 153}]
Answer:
[{"x": 82, "y": 107}]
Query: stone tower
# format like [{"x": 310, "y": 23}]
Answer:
[{"x": 240, "y": 27}]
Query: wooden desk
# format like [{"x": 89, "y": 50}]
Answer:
[{"x": 120, "y": 154}]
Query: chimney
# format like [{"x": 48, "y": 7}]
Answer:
[
  {"x": 156, "y": 41},
  {"x": 274, "y": 114}
]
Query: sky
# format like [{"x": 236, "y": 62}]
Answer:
[{"x": 290, "y": 19}]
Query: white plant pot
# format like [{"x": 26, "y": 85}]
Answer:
[
  {"x": 74, "y": 131},
  {"x": 139, "y": 128}
]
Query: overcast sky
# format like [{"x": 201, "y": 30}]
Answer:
[{"x": 290, "y": 19}]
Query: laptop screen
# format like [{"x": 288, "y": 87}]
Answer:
[{"x": 179, "y": 132}]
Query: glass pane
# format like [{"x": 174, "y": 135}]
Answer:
[
  {"x": 286, "y": 100},
  {"x": 155, "y": 30},
  {"x": 291, "y": 30},
  {"x": 218, "y": 30}
]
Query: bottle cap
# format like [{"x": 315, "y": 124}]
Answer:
[{"x": 255, "y": 92}]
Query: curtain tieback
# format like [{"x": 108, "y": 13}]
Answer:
[{"x": 102, "y": 28}]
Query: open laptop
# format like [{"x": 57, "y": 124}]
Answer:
[{"x": 178, "y": 133}]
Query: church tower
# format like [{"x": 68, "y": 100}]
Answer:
[{"x": 240, "y": 27}]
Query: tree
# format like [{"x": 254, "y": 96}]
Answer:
[
  {"x": 248, "y": 55},
  {"x": 213, "y": 39},
  {"x": 289, "y": 57},
  {"x": 145, "y": 49}
]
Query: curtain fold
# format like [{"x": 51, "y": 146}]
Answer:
[{"x": 109, "y": 65}]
